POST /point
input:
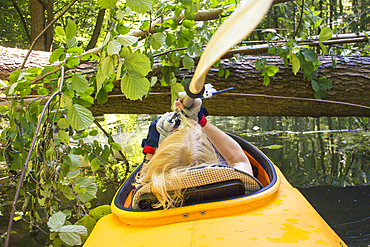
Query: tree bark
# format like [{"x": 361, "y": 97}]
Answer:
[
  {"x": 37, "y": 23},
  {"x": 96, "y": 33},
  {"x": 351, "y": 83},
  {"x": 50, "y": 32}
]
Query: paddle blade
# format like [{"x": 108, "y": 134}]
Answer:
[{"x": 238, "y": 26}]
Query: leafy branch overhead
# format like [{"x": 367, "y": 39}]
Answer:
[{"x": 57, "y": 191}]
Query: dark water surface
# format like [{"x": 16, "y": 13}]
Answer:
[{"x": 327, "y": 159}]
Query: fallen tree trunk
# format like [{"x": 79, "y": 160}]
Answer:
[{"x": 351, "y": 83}]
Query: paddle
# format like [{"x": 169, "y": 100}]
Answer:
[{"x": 238, "y": 26}]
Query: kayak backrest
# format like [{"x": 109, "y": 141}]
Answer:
[{"x": 194, "y": 178}]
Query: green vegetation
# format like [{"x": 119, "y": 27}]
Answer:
[{"x": 53, "y": 101}]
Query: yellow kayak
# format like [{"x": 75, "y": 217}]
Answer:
[{"x": 276, "y": 215}]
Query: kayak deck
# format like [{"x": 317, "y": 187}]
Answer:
[{"x": 275, "y": 216}]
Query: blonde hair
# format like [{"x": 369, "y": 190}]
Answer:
[{"x": 185, "y": 148}]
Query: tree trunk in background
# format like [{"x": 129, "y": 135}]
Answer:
[
  {"x": 96, "y": 33},
  {"x": 37, "y": 23},
  {"x": 50, "y": 32}
]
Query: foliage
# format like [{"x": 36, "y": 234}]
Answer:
[{"x": 57, "y": 189}]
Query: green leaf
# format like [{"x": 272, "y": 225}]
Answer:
[
  {"x": 63, "y": 136},
  {"x": 71, "y": 29},
  {"x": 266, "y": 80},
  {"x": 4, "y": 110},
  {"x": 310, "y": 55},
  {"x": 271, "y": 70},
  {"x": 59, "y": 31},
  {"x": 157, "y": 39},
  {"x": 100, "y": 211},
  {"x": 107, "y": 66},
  {"x": 77, "y": 50},
  {"x": 71, "y": 234},
  {"x": 87, "y": 187},
  {"x": 56, "y": 221},
  {"x": 95, "y": 164},
  {"x": 188, "y": 23},
  {"x": 72, "y": 61},
  {"x": 127, "y": 40},
  {"x": 275, "y": 146},
  {"x": 170, "y": 39},
  {"x": 66, "y": 101},
  {"x": 93, "y": 133},
  {"x": 175, "y": 89},
  {"x": 145, "y": 26},
  {"x": 153, "y": 81},
  {"x": 107, "y": 4},
  {"x": 227, "y": 73},
  {"x": 139, "y": 63},
  {"x": 325, "y": 83},
  {"x": 80, "y": 117},
  {"x": 296, "y": 65},
  {"x": 113, "y": 47},
  {"x": 122, "y": 29},
  {"x": 258, "y": 64},
  {"x": 315, "y": 86},
  {"x": 75, "y": 161},
  {"x": 63, "y": 123},
  {"x": 43, "y": 91},
  {"x": 325, "y": 34},
  {"x": 140, "y": 6},
  {"x": 134, "y": 85},
  {"x": 88, "y": 222},
  {"x": 116, "y": 146},
  {"x": 56, "y": 55},
  {"x": 79, "y": 83},
  {"x": 188, "y": 62}
]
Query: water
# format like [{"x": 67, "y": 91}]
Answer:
[{"x": 327, "y": 159}]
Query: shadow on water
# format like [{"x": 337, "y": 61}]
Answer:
[{"x": 327, "y": 159}]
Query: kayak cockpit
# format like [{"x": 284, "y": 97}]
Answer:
[{"x": 220, "y": 193}]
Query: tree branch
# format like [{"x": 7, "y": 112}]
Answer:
[{"x": 23, "y": 21}]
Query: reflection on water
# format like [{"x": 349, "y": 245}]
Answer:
[{"x": 327, "y": 159}]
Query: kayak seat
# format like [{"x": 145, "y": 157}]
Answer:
[{"x": 201, "y": 184}]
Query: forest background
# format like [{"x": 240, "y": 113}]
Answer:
[{"x": 131, "y": 49}]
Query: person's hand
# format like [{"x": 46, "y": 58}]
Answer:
[
  {"x": 195, "y": 112},
  {"x": 156, "y": 134}
]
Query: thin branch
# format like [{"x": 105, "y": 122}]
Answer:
[
  {"x": 355, "y": 19},
  {"x": 119, "y": 151},
  {"x": 23, "y": 21},
  {"x": 28, "y": 159},
  {"x": 300, "y": 20},
  {"x": 45, "y": 29}
]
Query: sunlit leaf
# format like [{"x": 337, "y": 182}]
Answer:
[
  {"x": 59, "y": 31},
  {"x": 140, "y": 6},
  {"x": 56, "y": 221},
  {"x": 63, "y": 136},
  {"x": 79, "y": 83},
  {"x": 95, "y": 164},
  {"x": 271, "y": 70},
  {"x": 157, "y": 39},
  {"x": 113, "y": 47},
  {"x": 56, "y": 55},
  {"x": 71, "y": 234},
  {"x": 296, "y": 65},
  {"x": 71, "y": 29},
  {"x": 188, "y": 62},
  {"x": 175, "y": 89},
  {"x": 134, "y": 85},
  {"x": 107, "y": 4},
  {"x": 80, "y": 117},
  {"x": 127, "y": 40},
  {"x": 276, "y": 146},
  {"x": 76, "y": 161},
  {"x": 325, "y": 34},
  {"x": 87, "y": 187},
  {"x": 139, "y": 63}
]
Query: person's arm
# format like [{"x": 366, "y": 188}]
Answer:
[{"x": 228, "y": 148}]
